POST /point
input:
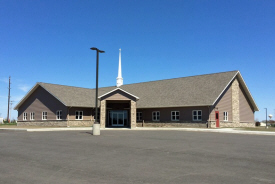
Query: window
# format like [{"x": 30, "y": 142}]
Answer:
[
  {"x": 156, "y": 115},
  {"x": 44, "y": 115},
  {"x": 32, "y": 116},
  {"x": 59, "y": 115},
  {"x": 25, "y": 116},
  {"x": 78, "y": 114},
  {"x": 139, "y": 116},
  {"x": 175, "y": 115},
  {"x": 225, "y": 116},
  {"x": 197, "y": 115}
]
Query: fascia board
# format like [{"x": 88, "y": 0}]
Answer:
[
  {"x": 120, "y": 90},
  {"x": 26, "y": 96},
  {"x": 172, "y": 106},
  {"x": 238, "y": 74},
  {"x": 31, "y": 92},
  {"x": 225, "y": 87},
  {"x": 248, "y": 93}
]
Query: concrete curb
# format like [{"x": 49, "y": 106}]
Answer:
[
  {"x": 58, "y": 129},
  {"x": 223, "y": 130}
]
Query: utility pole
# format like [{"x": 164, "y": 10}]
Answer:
[
  {"x": 8, "y": 116},
  {"x": 11, "y": 102}
]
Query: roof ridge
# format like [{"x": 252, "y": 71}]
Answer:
[
  {"x": 182, "y": 77},
  {"x": 140, "y": 82}
]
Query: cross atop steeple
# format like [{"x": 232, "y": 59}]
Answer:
[{"x": 119, "y": 79}]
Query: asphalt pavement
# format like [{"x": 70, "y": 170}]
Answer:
[{"x": 147, "y": 156}]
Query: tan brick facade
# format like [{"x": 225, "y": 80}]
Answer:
[
  {"x": 235, "y": 103},
  {"x": 133, "y": 114}
]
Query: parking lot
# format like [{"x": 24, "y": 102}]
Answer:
[{"x": 119, "y": 156}]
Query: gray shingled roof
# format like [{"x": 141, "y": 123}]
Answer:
[{"x": 186, "y": 91}]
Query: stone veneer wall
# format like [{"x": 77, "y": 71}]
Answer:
[
  {"x": 172, "y": 124},
  {"x": 57, "y": 123},
  {"x": 234, "y": 124},
  {"x": 49, "y": 123},
  {"x": 102, "y": 113},
  {"x": 211, "y": 124},
  {"x": 80, "y": 123},
  {"x": 133, "y": 114},
  {"x": 235, "y": 104}
]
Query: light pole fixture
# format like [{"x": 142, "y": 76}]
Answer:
[
  {"x": 266, "y": 118},
  {"x": 96, "y": 126}
]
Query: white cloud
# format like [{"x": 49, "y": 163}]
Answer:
[
  {"x": 5, "y": 80},
  {"x": 17, "y": 98},
  {"x": 24, "y": 88}
]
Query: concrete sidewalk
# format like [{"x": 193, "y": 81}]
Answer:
[{"x": 219, "y": 130}]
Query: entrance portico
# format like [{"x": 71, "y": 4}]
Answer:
[{"x": 118, "y": 109}]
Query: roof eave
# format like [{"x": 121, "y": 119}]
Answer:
[{"x": 137, "y": 98}]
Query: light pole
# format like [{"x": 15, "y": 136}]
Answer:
[
  {"x": 96, "y": 126},
  {"x": 266, "y": 118}
]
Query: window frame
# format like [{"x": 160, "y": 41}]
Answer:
[
  {"x": 176, "y": 117},
  {"x": 77, "y": 116},
  {"x": 58, "y": 115},
  {"x": 139, "y": 116},
  {"x": 225, "y": 116},
  {"x": 44, "y": 114},
  {"x": 157, "y": 116},
  {"x": 25, "y": 116},
  {"x": 32, "y": 116},
  {"x": 197, "y": 115}
]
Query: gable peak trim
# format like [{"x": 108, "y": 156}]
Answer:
[{"x": 116, "y": 89}]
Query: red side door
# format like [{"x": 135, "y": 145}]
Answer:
[{"x": 217, "y": 119}]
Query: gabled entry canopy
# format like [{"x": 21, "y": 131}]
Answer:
[{"x": 118, "y": 94}]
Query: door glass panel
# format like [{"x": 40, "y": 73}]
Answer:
[
  {"x": 120, "y": 118},
  {"x": 125, "y": 118},
  {"x": 114, "y": 118}
]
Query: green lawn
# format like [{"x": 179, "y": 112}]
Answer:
[{"x": 8, "y": 124}]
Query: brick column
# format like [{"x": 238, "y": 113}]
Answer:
[
  {"x": 102, "y": 113},
  {"x": 235, "y": 103},
  {"x": 133, "y": 114}
]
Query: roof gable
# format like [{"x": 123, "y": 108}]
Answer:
[
  {"x": 118, "y": 90},
  {"x": 31, "y": 91}
]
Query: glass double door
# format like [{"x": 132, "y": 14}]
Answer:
[{"x": 118, "y": 118}]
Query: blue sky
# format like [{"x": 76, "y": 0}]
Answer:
[{"x": 49, "y": 41}]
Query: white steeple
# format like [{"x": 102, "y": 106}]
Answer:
[{"x": 119, "y": 79}]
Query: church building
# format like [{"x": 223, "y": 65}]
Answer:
[{"x": 211, "y": 100}]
